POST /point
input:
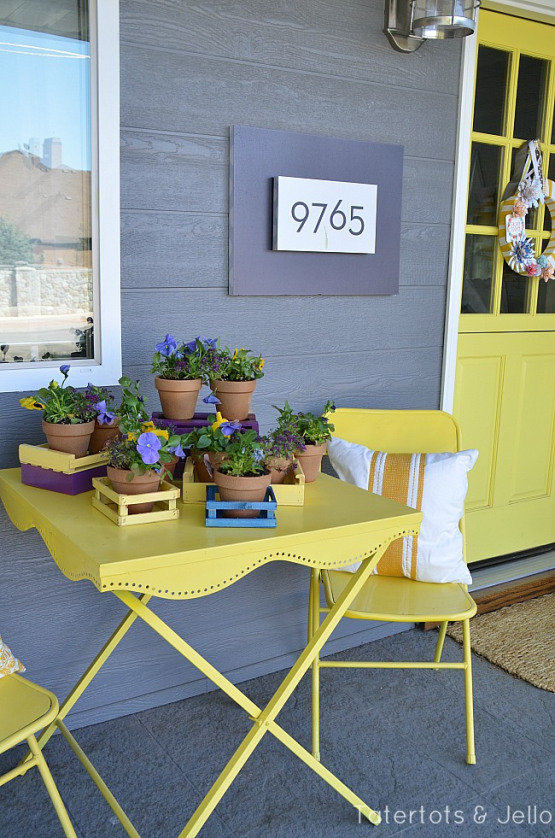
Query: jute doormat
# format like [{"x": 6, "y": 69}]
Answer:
[{"x": 519, "y": 638}]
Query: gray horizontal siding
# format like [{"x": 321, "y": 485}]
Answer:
[{"x": 189, "y": 71}]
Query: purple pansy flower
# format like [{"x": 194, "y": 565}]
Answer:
[
  {"x": 178, "y": 451},
  {"x": 227, "y": 428},
  {"x": 167, "y": 347},
  {"x": 64, "y": 369},
  {"x": 104, "y": 416},
  {"x": 211, "y": 399},
  {"x": 148, "y": 446}
]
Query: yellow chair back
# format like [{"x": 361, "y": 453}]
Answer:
[{"x": 398, "y": 431}]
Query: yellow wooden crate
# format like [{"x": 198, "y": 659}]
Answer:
[
  {"x": 289, "y": 493},
  {"x": 45, "y": 457},
  {"x": 115, "y": 506}
]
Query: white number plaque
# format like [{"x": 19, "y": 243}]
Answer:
[{"x": 324, "y": 216}]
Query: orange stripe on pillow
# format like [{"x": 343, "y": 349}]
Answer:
[{"x": 399, "y": 477}]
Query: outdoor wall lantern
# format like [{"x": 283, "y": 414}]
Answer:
[{"x": 408, "y": 23}]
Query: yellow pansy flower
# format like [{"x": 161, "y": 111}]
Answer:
[
  {"x": 31, "y": 404},
  {"x": 148, "y": 427},
  {"x": 132, "y": 436},
  {"x": 53, "y": 385},
  {"x": 261, "y": 363},
  {"x": 161, "y": 432}
]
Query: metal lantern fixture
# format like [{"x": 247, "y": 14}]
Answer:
[{"x": 408, "y": 23}]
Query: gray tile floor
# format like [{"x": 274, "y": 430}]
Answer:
[{"x": 395, "y": 737}]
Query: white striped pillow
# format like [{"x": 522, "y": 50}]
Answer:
[{"x": 436, "y": 484}]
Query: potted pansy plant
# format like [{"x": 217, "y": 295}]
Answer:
[
  {"x": 281, "y": 445},
  {"x": 68, "y": 416},
  {"x": 137, "y": 459},
  {"x": 243, "y": 476},
  {"x": 180, "y": 371},
  {"x": 315, "y": 431},
  {"x": 208, "y": 444},
  {"x": 233, "y": 377},
  {"x": 106, "y": 421}
]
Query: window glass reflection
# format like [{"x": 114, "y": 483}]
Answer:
[
  {"x": 46, "y": 284},
  {"x": 532, "y": 74},
  {"x": 491, "y": 83},
  {"x": 514, "y": 292},
  {"x": 479, "y": 261},
  {"x": 483, "y": 196}
]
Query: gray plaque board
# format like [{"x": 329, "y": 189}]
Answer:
[{"x": 258, "y": 156}]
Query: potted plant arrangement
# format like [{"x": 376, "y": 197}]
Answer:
[
  {"x": 243, "y": 475},
  {"x": 137, "y": 458},
  {"x": 233, "y": 377},
  {"x": 68, "y": 416},
  {"x": 106, "y": 422},
  {"x": 180, "y": 371},
  {"x": 281, "y": 445},
  {"x": 315, "y": 431},
  {"x": 209, "y": 443}
]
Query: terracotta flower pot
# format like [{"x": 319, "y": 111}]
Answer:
[
  {"x": 102, "y": 434},
  {"x": 278, "y": 468},
  {"x": 310, "y": 460},
  {"x": 234, "y": 488},
  {"x": 72, "y": 439},
  {"x": 235, "y": 398},
  {"x": 178, "y": 397},
  {"x": 140, "y": 484},
  {"x": 215, "y": 458}
]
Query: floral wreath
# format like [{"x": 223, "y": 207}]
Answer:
[{"x": 517, "y": 248}]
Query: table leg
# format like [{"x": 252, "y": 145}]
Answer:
[
  {"x": 92, "y": 670},
  {"x": 264, "y": 720}
]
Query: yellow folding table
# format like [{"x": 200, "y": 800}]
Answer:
[{"x": 182, "y": 559}]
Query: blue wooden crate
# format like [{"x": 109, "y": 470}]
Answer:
[{"x": 215, "y": 510}]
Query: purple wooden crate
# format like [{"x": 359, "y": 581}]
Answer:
[
  {"x": 58, "y": 481},
  {"x": 199, "y": 420}
]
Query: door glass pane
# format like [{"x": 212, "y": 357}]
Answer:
[
  {"x": 491, "y": 82},
  {"x": 514, "y": 292},
  {"x": 484, "y": 176},
  {"x": 478, "y": 271},
  {"x": 46, "y": 285},
  {"x": 532, "y": 73},
  {"x": 546, "y": 297},
  {"x": 519, "y": 164}
]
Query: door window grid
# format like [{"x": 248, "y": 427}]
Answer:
[{"x": 510, "y": 66}]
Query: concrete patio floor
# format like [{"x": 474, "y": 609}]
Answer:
[{"x": 395, "y": 737}]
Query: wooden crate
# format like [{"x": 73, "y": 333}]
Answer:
[
  {"x": 216, "y": 509},
  {"x": 290, "y": 493},
  {"x": 57, "y": 471},
  {"x": 115, "y": 506}
]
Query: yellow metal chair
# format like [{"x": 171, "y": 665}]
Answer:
[
  {"x": 397, "y": 599},
  {"x": 26, "y": 709}
]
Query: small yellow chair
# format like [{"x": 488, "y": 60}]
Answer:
[
  {"x": 26, "y": 709},
  {"x": 397, "y": 599}
]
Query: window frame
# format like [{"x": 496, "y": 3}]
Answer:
[{"x": 105, "y": 368}]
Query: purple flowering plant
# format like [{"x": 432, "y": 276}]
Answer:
[
  {"x": 101, "y": 402},
  {"x": 142, "y": 447},
  {"x": 314, "y": 429},
  {"x": 179, "y": 360},
  {"x": 239, "y": 365}
]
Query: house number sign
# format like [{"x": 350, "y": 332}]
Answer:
[{"x": 324, "y": 216}]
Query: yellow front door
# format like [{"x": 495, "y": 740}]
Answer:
[{"x": 505, "y": 380}]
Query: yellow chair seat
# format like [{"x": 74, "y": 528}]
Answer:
[
  {"x": 402, "y": 600},
  {"x": 26, "y": 709}
]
